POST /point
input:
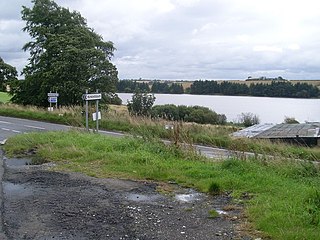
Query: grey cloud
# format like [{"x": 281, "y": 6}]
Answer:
[
  {"x": 12, "y": 9},
  {"x": 204, "y": 39}
]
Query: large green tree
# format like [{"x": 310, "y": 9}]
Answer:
[
  {"x": 65, "y": 56},
  {"x": 141, "y": 104},
  {"x": 7, "y": 73}
]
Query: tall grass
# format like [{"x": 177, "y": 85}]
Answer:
[
  {"x": 191, "y": 133},
  {"x": 281, "y": 197},
  {"x": 67, "y": 115}
]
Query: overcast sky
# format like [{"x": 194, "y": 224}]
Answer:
[{"x": 192, "y": 39}]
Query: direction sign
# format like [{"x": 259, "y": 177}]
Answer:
[
  {"x": 53, "y": 94},
  {"x": 52, "y": 99},
  {"x": 93, "y": 96}
]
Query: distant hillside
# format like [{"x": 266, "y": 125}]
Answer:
[{"x": 187, "y": 84}]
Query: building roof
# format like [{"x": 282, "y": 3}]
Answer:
[
  {"x": 304, "y": 130},
  {"x": 271, "y": 131},
  {"x": 253, "y": 130}
]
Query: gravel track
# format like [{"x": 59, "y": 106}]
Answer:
[{"x": 43, "y": 204}]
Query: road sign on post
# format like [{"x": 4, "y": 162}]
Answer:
[
  {"x": 93, "y": 96},
  {"x": 50, "y": 94},
  {"x": 89, "y": 97},
  {"x": 53, "y": 99}
]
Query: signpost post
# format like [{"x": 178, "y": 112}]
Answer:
[
  {"x": 97, "y": 112},
  {"x": 87, "y": 120},
  {"x": 90, "y": 97}
]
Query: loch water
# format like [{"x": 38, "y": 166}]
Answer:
[{"x": 269, "y": 110}]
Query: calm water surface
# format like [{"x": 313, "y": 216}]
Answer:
[{"x": 269, "y": 110}]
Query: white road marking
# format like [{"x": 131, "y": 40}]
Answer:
[
  {"x": 13, "y": 130},
  {"x": 35, "y": 127},
  {"x": 5, "y": 122}
]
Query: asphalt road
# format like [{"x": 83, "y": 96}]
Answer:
[{"x": 10, "y": 126}]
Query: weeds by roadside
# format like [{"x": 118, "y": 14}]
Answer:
[{"x": 189, "y": 133}]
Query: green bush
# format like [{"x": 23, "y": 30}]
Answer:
[
  {"x": 248, "y": 119},
  {"x": 197, "y": 114},
  {"x": 141, "y": 104}
]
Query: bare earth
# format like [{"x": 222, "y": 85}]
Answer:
[{"x": 42, "y": 204}]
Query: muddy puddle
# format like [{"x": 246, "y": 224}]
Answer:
[
  {"x": 190, "y": 197},
  {"x": 149, "y": 198},
  {"x": 221, "y": 212},
  {"x": 143, "y": 197},
  {"x": 21, "y": 190},
  {"x": 17, "y": 162}
]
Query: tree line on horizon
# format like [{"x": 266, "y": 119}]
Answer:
[
  {"x": 131, "y": 86},
  {"x": 205, "y": 87}
]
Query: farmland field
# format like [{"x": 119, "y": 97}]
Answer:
[{"x": 187, "y": 84}]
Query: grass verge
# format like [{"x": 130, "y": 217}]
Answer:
[
  {"x": 282, "y": 198},
  {"x": 68, "y": 116},
  {"x": 119, "y": 120}
]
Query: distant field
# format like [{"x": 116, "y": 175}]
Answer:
[
  {"x": 4, "y": 97},
  {"x": 187, "y": 84},
  {"x": 312, "y": 82}
]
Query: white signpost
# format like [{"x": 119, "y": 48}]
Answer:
[
  {"x": 93, "y": 96},
  {"x": 53, "y": 98},
  {"x": 90, "y": 97},
  {"x": 50, "y": 94}
]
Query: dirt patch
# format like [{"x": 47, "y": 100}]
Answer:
[{"x": 41, "y": 204}]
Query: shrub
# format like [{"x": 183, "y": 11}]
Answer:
[
  {"x": 197, "y": 114},
  {"x": 111, "y": 98},
  {"x": 168, "y": 111},
  {"x": 248, "y": 119},
  {"x": 290, "y": 120}
]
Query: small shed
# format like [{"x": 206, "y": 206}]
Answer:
[{"x": 304, "y": 133}]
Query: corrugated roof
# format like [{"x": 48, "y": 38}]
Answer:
[
  {"x": 305, "y": 130},
  {"x": 253, "y": 130}
]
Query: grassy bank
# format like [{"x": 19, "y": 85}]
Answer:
[
  {"x": 68, "y": 116},
  {"x": 116, "y": 118},
  {"x": 281, "y": 198},
  {"x": 4, "y": 97}
]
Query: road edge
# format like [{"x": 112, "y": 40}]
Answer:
[{"x": 2, "y": 233}]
